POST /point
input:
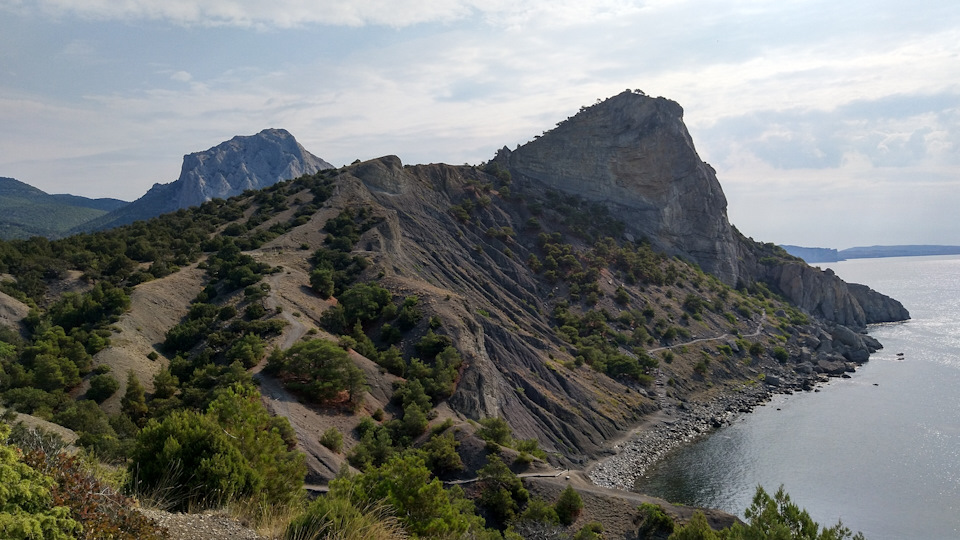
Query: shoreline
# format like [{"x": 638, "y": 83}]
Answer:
[{"x": 680, "y": 423}]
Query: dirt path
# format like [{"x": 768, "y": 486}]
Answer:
[{"x": 763, "y": 319}]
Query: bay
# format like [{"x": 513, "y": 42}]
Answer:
[{"x": 880, "y": 451}]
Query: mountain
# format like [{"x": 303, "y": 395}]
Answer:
[
  {"x": 230, "y": 168},
  {"x": 633, "y": 154},
  {"x": 540, "y": 308},
  {"x": 870, "y": 252},
  {"x": 812, "y": 254},
  {"x": 815, "y": 255},
  {"x": 26, "y": 211}
]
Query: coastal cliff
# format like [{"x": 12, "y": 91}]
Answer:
[{"x": 633, "y": 153}]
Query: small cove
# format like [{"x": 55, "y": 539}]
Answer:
[{"x": 881, "y": 450}]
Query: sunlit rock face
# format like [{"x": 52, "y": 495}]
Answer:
[
  {"x": 242, "y": 163},
  {"x": 228, "y": 169},
  {"x": 634, "y": 153}
]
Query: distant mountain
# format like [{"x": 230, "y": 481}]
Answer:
[
  {"x": 815, "y": 255},
  {"x": 812, "y": 254},
  {"x": 26, "y": 211},
  {"x": 228, "y": 169},
  {"x": 871, "y": 252}
]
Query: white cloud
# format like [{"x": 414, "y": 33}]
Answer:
[
  {"x": 181, "y": 76},
  {"x": 293, "y": 13}
]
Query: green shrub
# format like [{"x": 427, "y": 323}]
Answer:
[
  {"x": 441, "y": 456},
  {"x": 332, "y": 439},
  {"x": 102, "y": 387},
  {"x": 339, "y": 517},
  {"x": 590, "y": 531},
  {"x": 698, "y": 529},
  {"x": 568, "y": 506},
  {"x": 540, "y": 511},
  {"x": 702, "y": 366},
  {"x": 779, "y": 517},
  {"x": 230, "y": 453},
  {"x": 496, "y": 430},
  {"x": 501, "y": 492},
  {"x": 781, "y": 354},
  {"x": 28, "y": 508},
  {"x": 421, "y": 503},
  {"x": 655, "y": 520},
  {"x": 320, "y": 369}
]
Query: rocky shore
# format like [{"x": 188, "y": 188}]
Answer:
[{"x": 679, "y": 423}]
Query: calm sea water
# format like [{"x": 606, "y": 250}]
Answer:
[{"x": 881, "y": 451}]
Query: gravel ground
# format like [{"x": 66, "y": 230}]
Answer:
[
  {"x": 677, "y": 425},
  {"x": 205, "y": 526}
]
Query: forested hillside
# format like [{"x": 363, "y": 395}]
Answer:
[{"x": 427, "y": 319}]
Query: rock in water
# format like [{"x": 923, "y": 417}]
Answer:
[
  {"x": 633, "y": 153},
  {"x": 228, "y": 169}
]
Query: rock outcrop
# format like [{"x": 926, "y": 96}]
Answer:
[
  {"x": 633, "y": 153},
  {"x": 820, "y": 293},
  {"x": 228, "y": 169}
]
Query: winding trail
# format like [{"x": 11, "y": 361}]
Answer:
[
  {"x": 763, "y": 319},
  {"x": 320, "y": 488}
]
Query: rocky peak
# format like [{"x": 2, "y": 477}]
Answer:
[
  {"x": 634, "y": 153},
  {"x": 242, "y": 163},
  {"x": 228, "y": 169}
]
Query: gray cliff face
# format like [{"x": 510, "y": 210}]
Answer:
[
  {"x": 634, "y": 153},
  {"x": 228, "y": 169},
  {"x": 877, "y": 308},
  {"x": 820, "y": 293},
  {"x": 242, "y": 163}
]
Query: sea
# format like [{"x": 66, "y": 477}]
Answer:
[{"x": 879, "y": 451}]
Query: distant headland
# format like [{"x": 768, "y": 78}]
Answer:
[{"x": 817, "y": 254}]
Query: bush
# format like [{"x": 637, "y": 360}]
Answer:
[
  {"x": 102, "y": 387},
  {"x": 779, "y": 517},
  {"x": 781, "y": 354},
  {"x": 423, "y": 506},
  {"x": 98, "y": 508},
  {"x": 320, "y": 369},
  {"x": 230, "y": 453},
  {"x": 495, "y": 430},
  {"x": 540, "y": 511},
  {"x": 339, "y": 517},
  {"x": 568, "y": 506},
  {"x": 698, "y": 529},
  {"x": 332, "y": 439},
  {"x": 655, "y": 521},
  {"x": 441, "y": 454},
  {"x": 501, "y": 492},
  {"x": 28, "y": 508},
  {"x": 590, "y": 531},
  {"x": 321, "y": 280}
]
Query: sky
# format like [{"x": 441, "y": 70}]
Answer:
[{"x": 831, "y": 124}]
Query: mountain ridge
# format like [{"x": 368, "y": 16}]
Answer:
[
  {"x": 450, "y": 297},
  {"x": 815, "y": 255},
  {"x": 29, "y": 211},
  {"x": 227, "y": 169}
]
